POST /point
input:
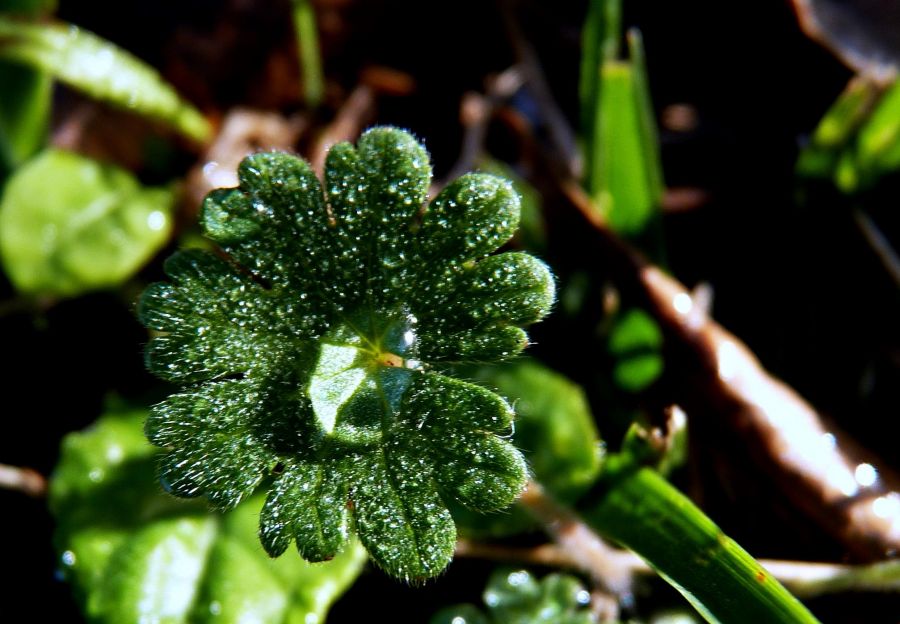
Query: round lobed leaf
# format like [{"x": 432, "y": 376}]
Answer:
[{"x": 311, "y": 354}]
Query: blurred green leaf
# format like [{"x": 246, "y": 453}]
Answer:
[
  {"x": 100, "y": 69},
  {"x": 555, "y": 430},
  {"x": 599, "y": 44},
  {"x": 460, "y": 614},
  {"x": 24, "y": 114},
  {"x": 879, "y": 137},
  {"x": 554, "y": 425},
  {"x": 635, "y": 341},
  {"x": 647, "y": 132},
  {"x": 135, "y": 554},
  {"x": 831, "y": 146},
  {"x": 69, "y": 224},
  {"x": 619, "y": 183},
  {"x": 858, "y": 139},
  {"x": 516, "y": 597},
  {"x": 843, "y": 118},
  {"x": 623, "y": 171}
]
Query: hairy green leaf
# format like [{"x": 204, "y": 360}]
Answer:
[
  {"x": 134, "y": 554},
  {"x": 93, "y": 227},
  {"x": 516, "y": 597},
  {"x": 313, "y": 352},
  {"x": 100, "y": 69}
]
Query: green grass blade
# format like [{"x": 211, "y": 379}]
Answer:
[
  {"x": 600, "y": 43},
  {"x": 621, "y": 183},
  {"x": 642, "y": 511},
  {"x": 308, "y": 47},
  {"x": 623, "y": 170},
  {"x": 100, "y": 69},
  {"x": 830, "y": 142},
  {"x": 648, "y": 136}
]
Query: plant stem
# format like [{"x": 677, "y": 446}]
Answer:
[
  {"x": 310, "y": 56},
  {"x": 639, "y": 509}
]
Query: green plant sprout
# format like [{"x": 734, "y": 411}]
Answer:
[{"x": 314, "y": 354}]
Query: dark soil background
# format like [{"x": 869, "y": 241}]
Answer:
[{"x": 797, "y": 282}]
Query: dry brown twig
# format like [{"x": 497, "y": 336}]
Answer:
[
  {"x": 803, "y": 579},
  {"x": 242, "y": 132},
  {"x": 853, "y": 500},
  {"x": 25, "y": 480}
]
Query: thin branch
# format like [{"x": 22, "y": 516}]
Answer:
[
  {"x": 23, "y": 480},
  {"x": 808, "y": 580},
  {"x": 722, "y": 377},
  {"x": 476, "y": 112},
  {"x": 558, "y": 128},
  {"x": 587, "y": 550},
  {"x": 879, "y": 244},
  {"x": 550, "y": 555},
  {"x": 804, "y": 579}
]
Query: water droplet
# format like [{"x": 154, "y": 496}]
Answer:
[
  {"x": 866, "y": 475},
  {"x": 156, "y": 220},
  {"x": 68, "y": 558}
]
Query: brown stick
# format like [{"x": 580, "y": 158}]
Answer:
[
  {"x": 804, "y": 579},
  {"x": 720, "y": 377},
  {"x": 585, "y": 549},
  {"x": 23, "y": 480}
]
